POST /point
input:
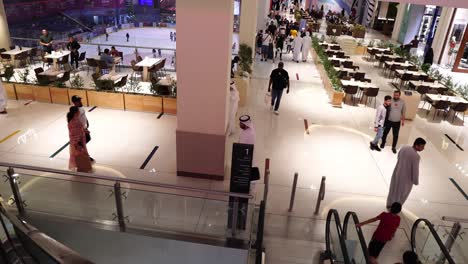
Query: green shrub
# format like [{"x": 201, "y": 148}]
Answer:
[{"x": 245, "y": 54}]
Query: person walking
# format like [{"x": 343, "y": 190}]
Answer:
[
  {"x": 233, "y": 105},
  {"x": 247, "y": 135},
  {"x": 280, "y": 46},
  {"x": 77, "y": 141},
  {"x": 127, "y": 36},
  {"x": 388, "y": 225},
  {"x": 76, "y": 100},
  {"x": 297, "y": 45},
  {"x": 306, "y": 45},
  {"x": 107, "y": 36},
  {"x": 279, "y": 80},
  {"x": 406, "y": 172},
  {"x": 73, "y": 46},
  {"x": 171, "y": 36},
  {"x": 396, "y": 119},
  {"x": 259, "y": 40},
  {"x": 266, "y": 39},
  {"x": 3, "y": 99},
  {"x": 380, "y": 118}
]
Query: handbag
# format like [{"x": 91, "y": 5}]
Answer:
[
  {"x": 83, "y": 163},
  {"x": 267, "y": 98}
]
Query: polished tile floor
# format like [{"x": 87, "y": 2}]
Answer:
[{"x": 336, "y": 147}]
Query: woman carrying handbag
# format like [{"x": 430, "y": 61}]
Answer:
[{"x": 79, "y": 157}]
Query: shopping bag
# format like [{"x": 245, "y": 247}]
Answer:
[
  {"x": 268, "y": 98},
  {"x": 83, "y": 163}
]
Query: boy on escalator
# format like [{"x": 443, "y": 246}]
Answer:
[{"x": 389, "y": 223}]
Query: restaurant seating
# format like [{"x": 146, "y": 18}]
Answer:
[
  {"x": 342, "y": 74},
  {"x": 35, "y": 55},
  {"x": 349, "y": 65},
  {"x": 359, "y": 76},
  {"x": 442, "y": 90},
  {"x": 335, "y": 63},
  {"x": 371, "y": 93},
  {"x": 399, "y": 59},
  {"x": 82, "y": 58},
  {"x": 412, "y": 68},
  {"x": 335, "y": 47},
  {"x": 102, "y": 65},
  {"x": 405, "y": 77},
  {"x": 422, "y": 90},
  {"x": 122, "y": 82},
  {"x": 64, "y": 78},
  {"x": 139, "y": 58},
  {"x": 459, "y": 108},
  {"x": 136, "y": 69},
  {"x": 63, "y": 61},
  {"x": 92, "y": 64},
  {"x": 351, "y": 90},
  {"x": 439, "y": 106},
  {"x": 22, "y": 58}
]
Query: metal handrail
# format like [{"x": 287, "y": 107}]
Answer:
[
  {"x": 124, "y": 180},
  {"x": 52, "y": 248},
  {"x": 95, "y": 44},
  {"x": 334, "y": 214},
  {"x": 362, "y": 240},
  {"x": 434, "y": 234}
]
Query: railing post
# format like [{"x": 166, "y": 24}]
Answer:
[
  {"x": 119, "y": 206},
  {"x": 266, "y": 179},
  {"x": 321, "y": 195},
  {"x": 259, "y": 239},
  {"x": 293, "y": 192},
  {"x": 450, "y": 240},
  {"x": 235, "y": 212},
  {"x": 13, "y": 178}
]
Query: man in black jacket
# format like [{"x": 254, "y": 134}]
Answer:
[{"x": 73, "y": 46}]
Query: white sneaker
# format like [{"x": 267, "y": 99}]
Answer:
[{"x": 276, "y": 112}]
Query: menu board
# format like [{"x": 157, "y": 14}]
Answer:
[{"x": 241, "y": 170}]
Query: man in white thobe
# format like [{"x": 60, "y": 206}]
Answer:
[
  {"x": 297, "y": 44},
  {"x": 247, "y": 135},
  {"x": 406, "y": 173},
  {"x": 3, "y": 99},
  {"x": 306, "y": 45},
  {"x": 233, "y": 106}
]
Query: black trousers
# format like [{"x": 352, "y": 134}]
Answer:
[
  {"x": 395, "y": 127},
  {"x": 74, "y": 58}
]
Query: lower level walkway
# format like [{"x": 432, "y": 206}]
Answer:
[{"x": 336, "y": 147}]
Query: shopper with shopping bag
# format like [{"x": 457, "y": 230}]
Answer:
[{"x": 79, "y": 157}]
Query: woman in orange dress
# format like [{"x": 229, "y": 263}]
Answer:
[{"x": 77, "y": 135}]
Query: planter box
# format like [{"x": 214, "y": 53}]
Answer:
[
  {"x": 79, "y": 92},
  {"x": 170, "y": 105},
  {"x": 360, "y": 50},
  {"x": 359, "y": 34},
  {"x": 42, "y": 94},
  {"x": 59, "y": 95},
  {"x": 106, "y": 99},
  {"x": 10, "y": 91},
  {"x": 337, "y": 98},
  {"x": 24, "y": 91},
  {"x": 146, "y": 103}
]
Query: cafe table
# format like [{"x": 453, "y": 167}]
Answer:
[
  {"x": 117, "y": 60},
  {"x": 15, "y": 52},
  {"x": 52, "y": 74},
  {"x": 451, "y": 99},
  {"x": 147, "y": 63},
  {"x": 432, "y": 85},
  {"x": 111, "y": 77},
  {"x": 56, "y": 55}
]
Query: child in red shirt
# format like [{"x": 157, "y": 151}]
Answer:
[{"x": 389, "y": 223}]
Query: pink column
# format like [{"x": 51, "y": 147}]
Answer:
[{"x": 204, "y": 41}]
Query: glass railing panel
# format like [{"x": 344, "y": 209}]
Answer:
[
  {"x": 425, "y": 245},
  {"x": 335, "y": 244},
  {"x": 63, "y": 197},
  {"x": 459, "y": 248},
  {"x": 5, "y": 189},
  {"x": 182, "y": 213},
  {"x": 356, "y": 250}
]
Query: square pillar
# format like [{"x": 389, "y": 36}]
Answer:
[
  {"x": 5, "y": 41},
  {"x": 248, "y": 22},
  {"x": 203, "y": 74}
]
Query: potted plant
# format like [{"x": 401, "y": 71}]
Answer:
[
  {"x": 359, "y": 31},
  {"x": 360, "y": 48},
  {"x": 76, "y": 88},
  {"x": 425, "y": 67},
  {"x": 9, "y": 87},
  {"x": 77, "y": 82},
  {"x": 245, "y": 54}
]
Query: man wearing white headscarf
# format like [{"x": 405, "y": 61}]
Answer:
[
  {"x": 233, "y": 106},
  {"x": 247, "y": 135},
  {"x": 3, "y": 99},
  {"x": 306, "y": 45},
  {"x": 297, "y": 44}
]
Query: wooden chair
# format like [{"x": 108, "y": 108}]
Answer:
[
  {"x": 82, "y": 58},
  {"x": 63, "y": 61},
  {"x": 371, "y": 93},
  {"x": 442, "y": 90},
  {"x": 439, "y": 106},
  {"x": 422, "y": 89},
  {"x": 64, "y": 78},
  {"x": 136, "y": 69},
  {"x": 406, "y": 77},
  {"x": 459, "y": 108},
  {"x": 122, "y": 82}
]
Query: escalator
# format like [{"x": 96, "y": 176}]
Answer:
[
  {"x": 81, "y": 25},
  {"x": 345, "y": 244}
]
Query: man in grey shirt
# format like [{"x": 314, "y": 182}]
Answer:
[{"x": 396, "y": 119}]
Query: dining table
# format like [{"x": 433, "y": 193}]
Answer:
[
  {"x": 451, "y": 99},
  {"x": 147, "y": 63},
  {"x": 117, "y": 60},
  {"x": 341, "y": 60},
  {"x": 433, "y": 85},
  {"x": 400, "y": 73},
  {"x": 112, "y": 77},
  {"x": 328, "y": 44},
  {"x": 359, "y": 84},
  {"x": 55, "y": 56},
  {"x": 51, "y": 73},
  {"x": 15, "y": 52}
]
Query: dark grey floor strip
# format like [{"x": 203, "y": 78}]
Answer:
[
  {"x": 92, "y": 108},
  {"x": 459, "y": 188},
  {"x": 59, "y": 150},
  {"x": 28, "y": 102},
  {"x": 149, "y": 158},
  {"x": 453, "y": 141},
  {"x": 160, "y": 115}
]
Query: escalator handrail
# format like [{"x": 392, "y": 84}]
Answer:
[
  {"x": 52, "y": 248},
  {"x": 434, "y": 234},
  {"x": 334, "y": 213},
  {"x": 362, "y": 240}
]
